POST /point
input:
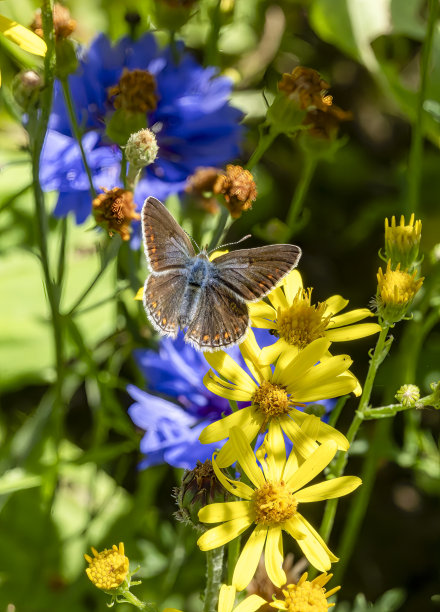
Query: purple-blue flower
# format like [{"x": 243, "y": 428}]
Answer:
[{"x": 193, "y": 122}]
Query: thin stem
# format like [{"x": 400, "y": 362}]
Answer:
[
  {"x": 300, "y": 194},
  {"x": 214, "y": 572},
  {"x": 220, "y": 229},
  {"x": 335, "y": 413},
  {"x": 212, "y": 55},
  {"x": 76, "y": 131},
  {"x": 416, "y": 151},
  {"x": 62, "y": 253},
  {"x": 264, "y": 143},
  {"x": 380, "y": 352}
]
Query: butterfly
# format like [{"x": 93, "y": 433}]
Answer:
[{"x": 208, "y": 298}]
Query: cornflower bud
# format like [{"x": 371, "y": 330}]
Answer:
[
  {"x": 238, "y": 187},
  {"x": 408, "y": 395},
  {"x": 199, "y": 488},
  {"x": 395, "y": 292},
  {"x": 141, "y": 149},
  {"x": 172, "y": 14},
  {"x": 114, "y": 210},
  {"x": 402, "y": 241}
]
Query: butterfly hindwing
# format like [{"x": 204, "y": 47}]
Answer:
[
  {"x": 166, "y": 245},
  {"x": 221, "y": 320},
  {"x": 253, "y": 273},
  {"x": 163, "y": 300}
]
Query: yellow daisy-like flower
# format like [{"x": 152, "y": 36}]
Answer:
[
  {"x": 396, "y": 289},
  {"x": 275, "y": 395},
  {"x": 226, "y": 601},
  {"x": 402, "y": 241},
  {"x": 21, "y": 36},
  {"x": 305, "y": 595},
  {"x": 107, "y": 569},
  {"x": 297, "y": 322},
  {"x": 272, "y": 506}
]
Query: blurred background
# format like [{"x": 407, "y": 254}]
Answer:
[{"x": 370, "y": 54}]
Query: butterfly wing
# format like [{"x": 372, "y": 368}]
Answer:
[
  {"x": 166, "y": 245},
  {"x": 253, "y": 273},
  {"x": 163, "y": 300},
  {"x": 221, "y": 319}
]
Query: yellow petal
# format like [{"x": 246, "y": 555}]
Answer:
[
  {"x": 312, "y": 466},
  {"x": 224, "y": 389},
  {"x": 333, "y": 558},
  {"x": 21, "y": 36},
  {"x": 226, "y": 511},
  {"x": 251, "y": 354},
  {"x": 295, "y": 528},
  {"x": 305, "y": 360},
  {"x": 226, "y": 598},
  {"x": 278, "y": 299},
  {"x": 292, "y": 284},
  {"x": 262, "y": 309},
  {"x": 340, "y": 386},
  {"x": 219, "y": 430},
  {"x": 352, "y": 316},
  {"x": 250, "y": 556},
  {"x": 245, "y": 456},
  {"x": 240, "y": 489},
  {"x": 273, "y": 557},
  {"x": 139, "y": 295},
  {"x": 304, "y": 444},
  {"x": 315, "y": 553},
  {"x": 222, "y": 534},
  {"x": 352, "y": 332},
  {"x": 325, "y": 433},
  {"x": 287, "y": 353},
  {"x": 337, "y": 487},
  {"x": 270, "y": 353},
  {"x": 229, "y": 369},
  {"x": 334, "y": 304},
  {"x": 227, "y": 455},
  {"x": 324, "y": 371},
  {"x": 250, "y": 604},
  {"x": 276, "y": 454}
]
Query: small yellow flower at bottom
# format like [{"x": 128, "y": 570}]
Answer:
[
  {"x": 226, "y": 601},
  {"x": 109, "y": 568},
  {"x": 396, "y": 289},
  {"x": 305, "y": 595}
]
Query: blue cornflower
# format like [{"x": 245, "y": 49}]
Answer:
[{"x": 193, "y": 122}]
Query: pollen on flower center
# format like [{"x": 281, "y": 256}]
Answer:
[
  {"x": 302, "y": 322},
  {"x": 274, "y": 504},
  {"x": 135, "y": 92},
  {"x": 107, "y": 569},
  {"x": 271, "y": 399},
  {"x": 305, "y": 597}
]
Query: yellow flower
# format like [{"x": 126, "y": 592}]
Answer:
[
  {"x": 226, "y": 601},
  {"x": 402, "y": 241},
  {"x": 107, "y": 569},
  {"x": 396, "y": 290},
  {"x": 21, "y": 36},
  {"x": 274, "y": 395},
  {"x": 272, "y": 506},
  {"x": 297, "y": 322},
  {"x": 306, "y": 595}
]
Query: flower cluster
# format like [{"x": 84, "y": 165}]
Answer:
[{"x": 124, "y": 88}]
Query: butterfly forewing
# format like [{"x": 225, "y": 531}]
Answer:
[
  {"x": 221, "y": 320},
  {"x": 167, "y": 247},
  {"x": 253, "y": 273},
  {"x": 163, "y": 300}
]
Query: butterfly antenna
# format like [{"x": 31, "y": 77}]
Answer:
[
  {"x": 192, "y": 240},
  {"x": 221, "y": 246}
]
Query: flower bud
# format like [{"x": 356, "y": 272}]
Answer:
[
  {"x": 408, "y": 395},
  {"x": 199, "y": 488},
  {"x": 109, "y": 568},
  {"x": 396, "y": 290},
  {"x": 402, "y": 241},
  {"x": 141, "y": 148},
  {"x": 172, "y": 14},
  {"x": 26, "y": 88}
]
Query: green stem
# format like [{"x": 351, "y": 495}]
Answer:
[
  {"x": 359, "y": 504},
  {"x": 211, "y": 55},
  {"x": 214, "y": 573},
  {"x": 416, "y": 151},
  {"x": 380, "y": 352},
  {"x": 264, "y": 143},
  {"x": 62, "y": 253},
  {"x": 300, "y": 194},
  {"x": 134, "y": 601},
  {"x": 76, "y": 132},
  {"x": 335, "y": 413},
  {"x": 220, "y": 229}
]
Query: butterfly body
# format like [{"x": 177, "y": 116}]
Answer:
[{"x": 208, "y": 298}]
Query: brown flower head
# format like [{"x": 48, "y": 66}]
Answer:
[
  {"x": 135, "y": 92},
  {"x": 309, "y": 91},
  {"x": 115, "y": 210},
  {"x": 200, "y": 186},
  {"x": 63, "y": 23},
  {"x": 238, "y": 187}
]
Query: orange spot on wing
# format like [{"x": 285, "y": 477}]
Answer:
[{"x": 205, "y": 338}]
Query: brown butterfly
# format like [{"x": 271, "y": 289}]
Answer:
[{"x": 209, "y": 298}]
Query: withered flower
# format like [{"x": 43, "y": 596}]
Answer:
[
  {"x": 115, "y": 210},
  {"x": 238, "y": 187}
]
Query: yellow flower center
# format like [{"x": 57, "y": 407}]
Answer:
[
  {"x": 135, "y": 92},
  {"x": 302, "y": 322},
  {"x": 305, "y": 597},
  {"x": 274, "y": 503},
  {"x": 107, "y": 569},
  {"x": 397, "y": 288},
  {"x": 271, "y": 399}
]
